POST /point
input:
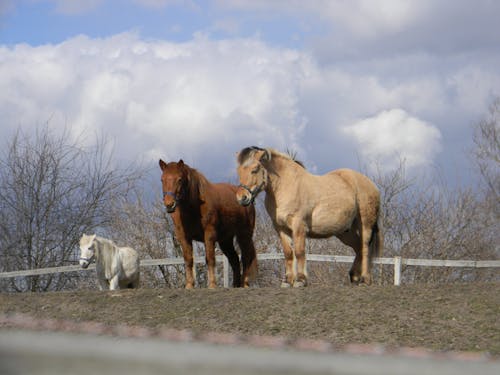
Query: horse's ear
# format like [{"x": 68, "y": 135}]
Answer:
[
  {"x": 263, "y": 155},
  {"x": 162, "y": 164},
  {"x": 268, "y": 154},
  {"x": 180, "y": 163}
]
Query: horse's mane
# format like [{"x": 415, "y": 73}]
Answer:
[
  {"x": 105, "y": 250},
  {"x": 248, "y": 152},
  {"x": 196, "y": 182},
  {"x": 105, "y": 241}
]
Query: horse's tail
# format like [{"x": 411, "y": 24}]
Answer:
[
  {"x": 376, "y": 243},
  {"x": 248, "y": 245},
  {"x": 248, "y": 256}
]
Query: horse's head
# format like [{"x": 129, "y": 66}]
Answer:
[
  {"x": 173, "y": 179},
  {"x": 252, "y": 173},
  {"x": 86, "y": 253}
]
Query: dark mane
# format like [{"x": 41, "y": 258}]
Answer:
[
  {"x": 197, "y": 182},
  {"x": 298, "y": 162},
  {"x": 247, "y": 152}
]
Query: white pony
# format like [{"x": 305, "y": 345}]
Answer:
[{"x": 116, "y": 267}]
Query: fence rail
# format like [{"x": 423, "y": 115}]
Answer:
[{"x": 397, "y": 262}]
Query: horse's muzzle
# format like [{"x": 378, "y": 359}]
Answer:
[
  {"x": 246, "y": 196},
  {"x": 84, "y": 264},
  {"x": 171, "y": 207},
  {"x": 245, "y": 200}
]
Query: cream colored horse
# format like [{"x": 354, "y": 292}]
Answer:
[
  {"x": 341, "y": 203},
  {"x": 116, "y": 267}
]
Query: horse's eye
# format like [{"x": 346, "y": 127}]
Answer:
[{"x": 254, "y": 171}]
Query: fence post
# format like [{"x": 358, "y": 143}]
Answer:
[
  {"x": 397, "y": 271},
  {"x": 225, "y": 271}
]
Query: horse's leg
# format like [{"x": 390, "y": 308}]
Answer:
[
  {"x": 114, "y": 283},
  {"x": 186, "y": 243},
  {"x": 210, "y": 236},
  {"x": 101, "y": 278},
  {"x": 137, "y": 280},
  {"x": 366, "y": 235},
  {"x": 352, "y": 239},
  {"x": 299, "y": 243},
  {"x": 187, "y": 254},
  {"x": 103, "y": 284},
  {"x": 355, "y": 271},
  {"x": 227, "y": 248},
  {"x": 369, "y": 209},
  {"x": 286, "y": 242},
  {"x": 248, "y": 257}
]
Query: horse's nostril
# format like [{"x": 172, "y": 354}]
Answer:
[
  {"x": 244, "y": 201},
  {"x": 171, "y": 207}
]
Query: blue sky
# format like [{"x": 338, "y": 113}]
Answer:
[
  {"x": 345, "y": 84},
  {"x": 40, "y": 22}
]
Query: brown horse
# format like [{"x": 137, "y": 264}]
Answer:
[
  {"x": 206, "y": 212},
  {"x": 343, "y": 203}
]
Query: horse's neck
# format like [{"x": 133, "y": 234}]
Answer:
[
  {"x": 282, "y": 173},
  {"x": 103, "y": 248},
  {"x": 197, "y": 184}
]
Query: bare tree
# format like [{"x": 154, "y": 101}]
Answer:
[
  {"x": 425, "y": 218},
  {"x": 486, "y": 150},
  {"x": 486, "y": 156},
  {"x": 52, "y": 190}
]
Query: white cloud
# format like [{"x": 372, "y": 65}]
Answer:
[
  {"x": 205, "y": 99},
  {"x": 365, "y": 29},
  {"x": 364, "y": 18},
  {"x": 371, "y": 19},
  {"x": 190, "y": 100},
  {"x": 391, "y": 136}
]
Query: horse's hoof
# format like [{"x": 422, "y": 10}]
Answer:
[
  {"x": 285, "y": 284},
  {"x": 355, "y": 279},
  {"x": 365, "y": 280},
  {"x": 300, "y": 284}
]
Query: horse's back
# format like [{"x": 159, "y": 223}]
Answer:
[
  {"x": 363, "y": 185},
  {"x": 367, "y": 193},
  {"x": 355, "y": 178},
  {"x": 337, "y": 185},
  {"x": 224, "y": 188},
  {"x": 232, "y": 214}
]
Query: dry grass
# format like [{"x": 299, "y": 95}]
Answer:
[{"x": 437, "y": 317}]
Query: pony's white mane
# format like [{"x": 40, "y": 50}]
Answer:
[
  {"x": 86, "y": 240},
  {"x": 105, "y": 250}
]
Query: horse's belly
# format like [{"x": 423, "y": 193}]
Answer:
[{"x": 325, "y": 223}]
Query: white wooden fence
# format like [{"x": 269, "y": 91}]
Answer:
[{"x": 397, "y": 262}]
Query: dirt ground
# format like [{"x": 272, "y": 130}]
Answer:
[{"x": 458, "y": 317}]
